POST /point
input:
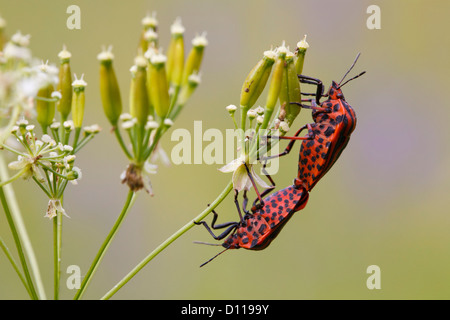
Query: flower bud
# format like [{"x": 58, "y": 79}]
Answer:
[
  {"x": 302, "y": 46},
  {"x": 290, "y": 92},
  {"x": 195, "y": 57},
  {"x": 256, "y": 80},
  {"x": 65, "y": 84},
  {"x": 175, "y": 54},
  {"x": 45, "y": 107},
  {"x": 78, "y": 100},
  {"x": 139, "y": 101},
  {"x": 109, "y": 87},
  {"x": 158, "y": 87}
]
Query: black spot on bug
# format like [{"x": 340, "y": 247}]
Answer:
[
  {"x": 320, "y": 140},
  {"x": 328, "y": 144},
  {"x": 262, "y": 228},
  {"x": 307, "y": 152},
  {"x": 339, "y": 118},
  {"x": 310, "y": 143},
  {"x": 254, "y": 243},
  {"x": 245, "y": 240},
  {"x": 336, "y": 107},
  {"x": 323, "y": 155},
  {"x": 329, "y": 131},
  {"x": 309, "y": 167}
]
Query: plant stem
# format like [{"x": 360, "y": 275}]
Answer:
[
  {"x": 11, "y": 206},
  {"x": 122, "y": 143},
  {"x": 57, "y": 240},
  {"x": 88, "y": 277},
  {"x": 18, "y": 244},
  {"x": 15, "y": 266},
  {"x": 168, "y": 241}
]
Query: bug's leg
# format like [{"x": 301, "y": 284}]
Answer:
[
  {"x": 313, "y": 106},
  {"x": 309, "y": 80},
  {"x": 237, "y": 203},
  {"x": 294, "y": 138},
  {"x": 254, "y": 185},
  {"x": 268, "y": 190},
  {"x": 231, "y": 226},
  {"x": 244, "y": 203}
]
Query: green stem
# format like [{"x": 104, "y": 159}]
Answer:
[
  {"x": 122, "y": 143},
  {"x": 57, "y": 240},
  {"x": 16, "y": 237},
  {"x": 15, "y": 266},
  {"x": 11, "y": 205},
  {"x": 6, "y": 131},
  {"x": 95, "y": 264},
  {"x": 169, "y": 240},
  {"x": 14, "y": 177}
]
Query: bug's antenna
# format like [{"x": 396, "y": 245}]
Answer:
[
  {"x": 213, "y": 257},
  {"x": 350, "y": 69},
  {"x": 207, "y": 243},
  {"x": 359, "y": 75}
]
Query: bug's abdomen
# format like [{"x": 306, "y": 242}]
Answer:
[{"x": 261, "y": 227}]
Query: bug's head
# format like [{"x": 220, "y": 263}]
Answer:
[{"x": 335, "y": 91}]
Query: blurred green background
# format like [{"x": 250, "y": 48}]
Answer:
[{"x": 385, "y": 202}]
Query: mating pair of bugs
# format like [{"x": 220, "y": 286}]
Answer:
[{"x": 334, "y": 122}]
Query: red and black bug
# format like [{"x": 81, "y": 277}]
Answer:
[
  {"x": 334, "y": 121},
  {"x": 257, "y": 229},
  {"x": 327, "y": 137}
]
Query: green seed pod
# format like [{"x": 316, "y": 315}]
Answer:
[
  {"x": 302, "y": 46},
  {"x": 139, "y": 101},
  {"x": 256, "y": 81},
  {"x": 194, "y": 58},
  {"x": 290, "y": 95},
  {"x": 65, "y": 85},
  {"x": 275, "y": 85},
  {"x": 78, "y": 101},
  {"x": 175, "y": 54},
  {"x": 158, "y": 87},
  {"x": 109, "y": 88},
  {"x": 45, "y": 107}
]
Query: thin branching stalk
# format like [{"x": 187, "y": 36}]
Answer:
[
  {"x": 12, "y": 210},
  {"x": 168, "y": 241},
  {"x": 15, "y": 266},
  {"x": 88, "y": 277}
]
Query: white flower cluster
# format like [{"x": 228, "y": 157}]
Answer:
[{"x": 22, "y": 76}]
